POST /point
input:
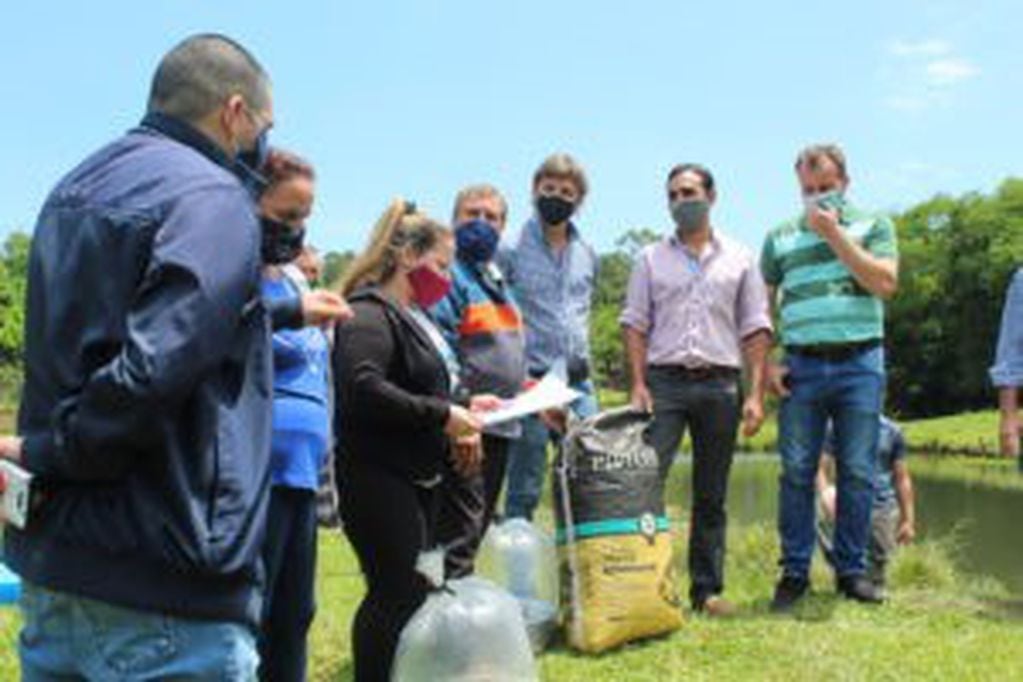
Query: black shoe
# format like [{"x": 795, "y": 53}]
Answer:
[
  {"x": 859, "y": 588},
  {"x": 790, "y": 589}
]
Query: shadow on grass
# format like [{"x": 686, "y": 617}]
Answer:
[
  {"x": 1003, "y": 610},
  {"x": 813, "y": 608}
]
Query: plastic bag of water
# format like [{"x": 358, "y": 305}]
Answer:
[
  {"x": 469, "y": 630},
  {"x": 522, "y": 559}
]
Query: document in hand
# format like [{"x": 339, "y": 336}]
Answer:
[{"x": 546, "y": 394}]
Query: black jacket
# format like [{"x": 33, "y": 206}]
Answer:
[
  {"x": 393, "y": 392},
  {"x": 146, "y": 407}
]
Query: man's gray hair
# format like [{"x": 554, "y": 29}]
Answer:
[{"x": 202, "y": 71}]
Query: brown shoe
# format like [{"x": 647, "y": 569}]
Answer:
[{"x": 717, "y": 607}]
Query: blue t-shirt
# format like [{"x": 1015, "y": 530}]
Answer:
[
  {"x": 301, "y": 408},
  {"x": 891, "y": 446}
]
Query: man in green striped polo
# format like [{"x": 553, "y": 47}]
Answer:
[{"x": 828, "y": 271}]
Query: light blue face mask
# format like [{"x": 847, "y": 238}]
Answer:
[{"x": 832, "y": 200}]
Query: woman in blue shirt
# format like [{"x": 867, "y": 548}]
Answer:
[{"x": 301, "y": 429}]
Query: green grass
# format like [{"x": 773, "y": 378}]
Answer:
[{"x": 938, "y": 625}]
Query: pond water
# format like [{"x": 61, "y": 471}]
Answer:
[{"x": 985, "y": 519}]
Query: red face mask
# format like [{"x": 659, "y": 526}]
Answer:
[{"x": 428, "y": 285}]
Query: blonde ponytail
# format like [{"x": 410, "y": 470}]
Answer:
[{"x": 400, "y": 226}]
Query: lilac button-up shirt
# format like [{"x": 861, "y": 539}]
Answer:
[{"x": 695, "y": 310}]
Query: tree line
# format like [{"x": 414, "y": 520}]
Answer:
[{"x": 956, "y": 257}]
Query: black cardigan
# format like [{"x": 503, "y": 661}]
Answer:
[{"x": 393, "y": 391}]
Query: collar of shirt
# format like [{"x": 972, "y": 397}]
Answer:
[
  {"x": 182, "y": 132},
  {"x": 535, "y": 229},
  {"x": 697, "y": 261}
]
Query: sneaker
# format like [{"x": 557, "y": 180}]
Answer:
[
  {"x": 716, "y": 607},
  {"x": 790, "y": 589},
  {"x": 859, "y": 588}
]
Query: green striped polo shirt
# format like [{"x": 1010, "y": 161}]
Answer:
[{"x": 821, "y": 302}]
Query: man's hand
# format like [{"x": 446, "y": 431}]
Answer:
[
  {"x": 10, "y": 447},
  {"x": 823, "y": 221},
  {"x": 321, "y": 307},
  {"x": 641, "y": 399},
  {"x": 906, "y": 533},
  {"x": 467, "y": 454},
  {"x": 752, "y": 416},
  {"x": 1008, "y": 432},
  {"x": 776, "y": 379}
]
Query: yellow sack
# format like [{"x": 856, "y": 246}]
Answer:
[{"x": 618, "y": 579}]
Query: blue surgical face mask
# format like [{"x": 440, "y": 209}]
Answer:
[{"x": 476, "y": 240}]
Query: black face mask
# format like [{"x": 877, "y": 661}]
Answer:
[
  {"x": 281, "y": 242},
  {"x": 554, "y": 210},
  {"x": 248, "y": 165}
]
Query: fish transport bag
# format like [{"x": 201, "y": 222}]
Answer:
[
  {"x": 521, "y": 558},
  {"x": 468, "y": 630}
]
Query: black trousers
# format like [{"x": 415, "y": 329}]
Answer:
[
  {"x": 388, "y": 521},
  {"x": 710, "y": 410},
  {"x": 289, "y": 557},
  {"x": 467, "y": 507}
]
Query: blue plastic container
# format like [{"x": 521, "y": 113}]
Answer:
[{"x": 10, "y": 586}]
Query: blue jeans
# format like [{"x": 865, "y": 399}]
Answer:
[
  {"x": 65, "y": 637},
  {"x": 849, "y": 393},
  {"x": 527, "y": 456}
]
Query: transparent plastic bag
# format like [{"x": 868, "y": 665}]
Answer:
[
  {"x": 470, "y": 630},
  {"x": 522, "y": 559}
]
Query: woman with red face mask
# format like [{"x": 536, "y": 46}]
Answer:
[{"x": 401, "y": 413}]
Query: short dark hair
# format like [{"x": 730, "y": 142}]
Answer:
[
  {"x": 202, "y": 71},
  {"x": 706, "y": 177}
]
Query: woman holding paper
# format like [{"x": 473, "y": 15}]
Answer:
[{"x": 400, "y": 408}]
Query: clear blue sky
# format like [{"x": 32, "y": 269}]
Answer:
[{"x": 420, "y": 98}]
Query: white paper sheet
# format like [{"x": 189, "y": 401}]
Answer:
[{"x": 546, "y": 394}]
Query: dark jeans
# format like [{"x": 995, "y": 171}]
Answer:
[
  {"x": 848, "y": 393},
  {"x": 467, "y": 507},
  {"x": 388, "y": 521},
  {"x": 289, "y": 556},
  {"x": 710, "y": 409}
]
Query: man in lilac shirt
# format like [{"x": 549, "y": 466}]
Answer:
[{"x": 696, "y": 307}]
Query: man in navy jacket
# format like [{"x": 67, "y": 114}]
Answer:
[{"x": 146, "y": 409}]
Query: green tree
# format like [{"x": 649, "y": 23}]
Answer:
[
  {"x": 956, "y": 257},
  {"x": 334, "y": 265},
  {"x": 607, "y": 349},
  {"x": 13, "y": 277}
]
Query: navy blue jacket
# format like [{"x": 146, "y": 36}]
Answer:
[{"x": 147, "y": 397}]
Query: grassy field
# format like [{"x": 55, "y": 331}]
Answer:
[{"x": 938, "y": 625}]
